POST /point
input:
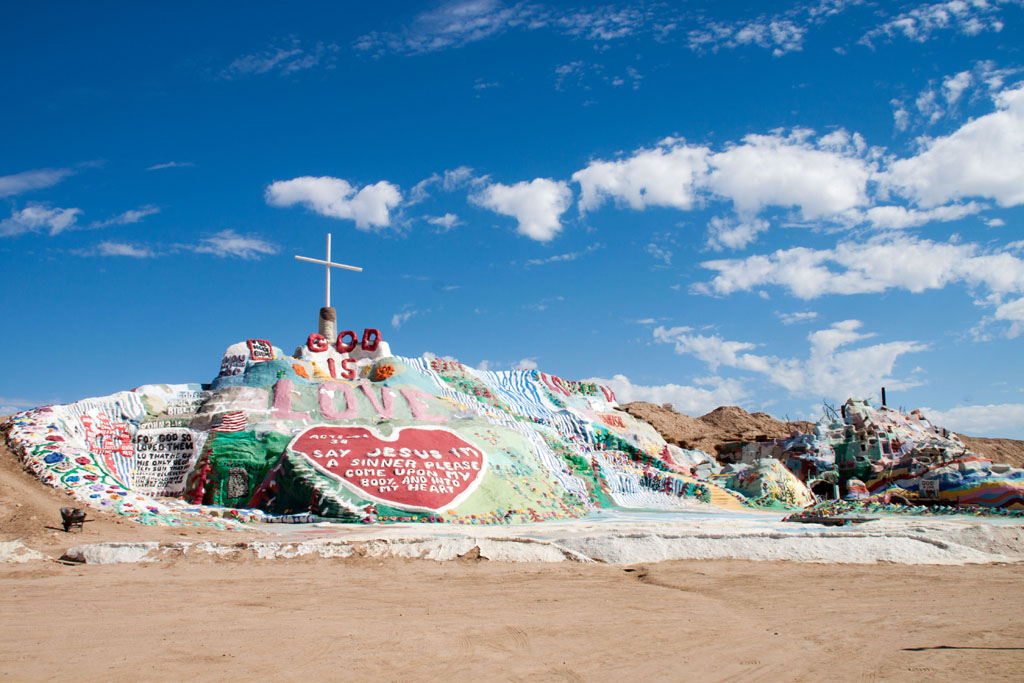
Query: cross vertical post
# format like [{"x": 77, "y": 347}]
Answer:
[{"x": 328, "y": 316}]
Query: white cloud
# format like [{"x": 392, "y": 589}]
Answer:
[
  {"x": 954, "y": 86},
  {"x": 229, "y": 243},
  {"x": 39, "y": 217},
  {"x": 9, "y": 405},
  {"x": 447, "y": 221},
  {"x": 876, "y": 265},
  {"x": 984, "y": 158},
  {"x": 995, "y": 222},
  {"x": 921, "y": 23},
  {"x": 928, "y": 105},
  {"x": 564, "y": 71},
  {"x": 543, "y": 304},
  {"x": 835, "y": 179},
  {"x": 1013, "y": 312},
  {"x": 27, "y": 181},
  {"x": 282, "y": 60},
  {"x": 826, "y": 371},
  {"x": 779, "y": 35},
  {"x": 537, "y": 205},
  {"x": 601, "y": 23},
  {"x": 659, "y": 253},
  {"x": 899, "y": 217},
  {"x": 733, "y": 234},
  {"x": 1004, "y": 420},
  {"x": 559, "y": 258},
  {"x": 450, "y": 180},
  {"x": 400, "y": 318},
  {"x": 525, "y": 364},
  {"x": 825, "y": 178},
  {"x": 798, "y": 317},
  {"x": 692, "y": 400},
  {"x": 772, "y": 170},
  {"x": 128, "y": 217},
  {"x": 170, "y": 164},
  {"x": 122, "y": 249},
  {"x": 664, "y": 176},
  {"x": 451, "y": 25},
  {"x": 900, "y": 116},
  {"x": 458, "y": 23},
  {"x": 335, "y": 198},
  {"x": 886, "y": 262}
]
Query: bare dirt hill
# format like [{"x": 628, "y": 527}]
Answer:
[
  {"x": 721, "y": 425},
  {"x": 1009, "y": 451}
]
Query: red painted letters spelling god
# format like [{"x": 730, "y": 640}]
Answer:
[
  {"x": 345, "y": 343},
  {"x": 418, "y": 468}
]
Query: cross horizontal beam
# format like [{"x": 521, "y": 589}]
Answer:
[{"x": 329, "y": 263}]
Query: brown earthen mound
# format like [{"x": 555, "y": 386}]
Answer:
[
  {"x": 1009, "y": 451},
  {"x": 722, "y": 425}
]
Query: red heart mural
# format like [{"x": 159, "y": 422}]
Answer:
[{"x": 417, "y": 468}]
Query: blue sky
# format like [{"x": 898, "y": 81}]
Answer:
[{"x": 761, "y": 204}]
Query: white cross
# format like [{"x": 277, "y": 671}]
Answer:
[{"x": 329, "y": 265}]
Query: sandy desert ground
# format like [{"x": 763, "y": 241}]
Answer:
[{"x": 476, "y": 620}]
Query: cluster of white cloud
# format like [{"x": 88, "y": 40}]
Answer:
[
  {"x": 835, "y": 179},
  {"x": 39, "y": 218},
  {"x": 223, "y": 244},
  {"x": 779, "y": 35},
  {"x": 942, "y": 98},
  {"x": 872, "y": 266},
  {"x": 969, "y": 17},
  {"x": 829, "y": 370},
  {"x": 879, "y": 264},
  {"x": 828, "y": 178},
  {"x": 369, "y": 206},
  {"x": 461, "y": 22}
]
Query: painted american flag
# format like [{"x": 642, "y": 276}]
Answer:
[{"x": 231, "y": 422}]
